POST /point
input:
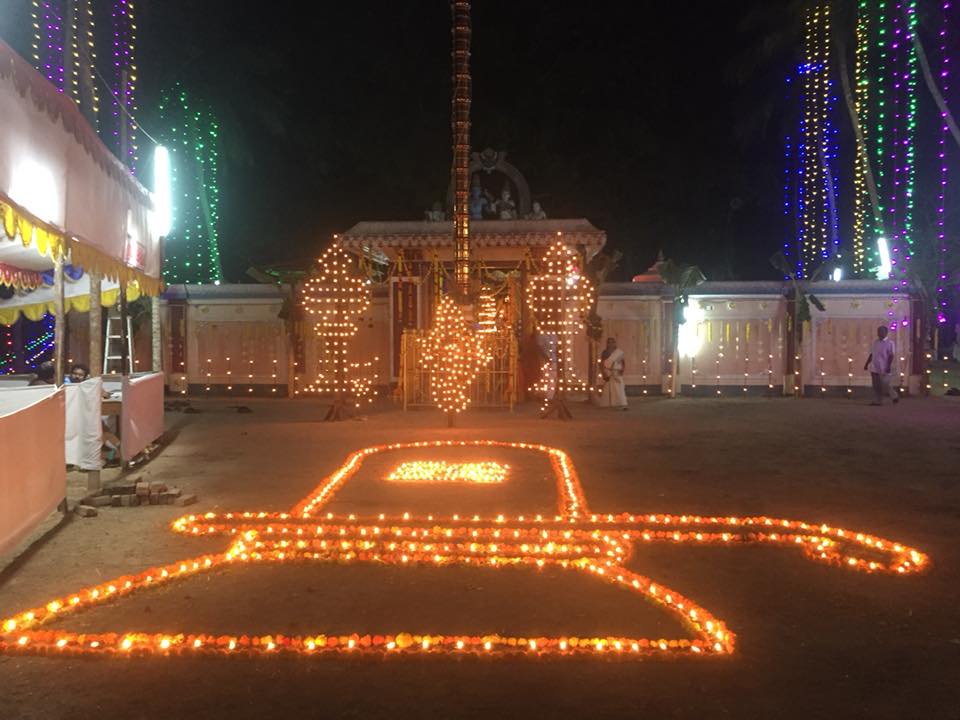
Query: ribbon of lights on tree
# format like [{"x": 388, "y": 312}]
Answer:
[{"x": 575, "y": 539}]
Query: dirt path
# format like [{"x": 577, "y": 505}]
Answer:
[{"x": 814, "y": 641}]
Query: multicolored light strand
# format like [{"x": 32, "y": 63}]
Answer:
[
  {"x": 58, "y": 24},
  {"x": 597, "y": 545},
  {"x": 48, "y": 40},
  {"x": 124, "y": 80},
  {"x": 8, "y": 353},
  {"x": 943, "y": 278},
  {"x": 862, "y": 212},
  {"x": 816, "y": 231},
  {"x": 903, "y": 152}
]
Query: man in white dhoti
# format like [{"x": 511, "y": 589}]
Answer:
[{"x": 612, "y": 364}]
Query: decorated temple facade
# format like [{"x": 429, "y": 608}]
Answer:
[{"x": 411, "y": 264}]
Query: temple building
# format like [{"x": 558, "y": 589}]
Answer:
[{"x": 411, "y": 263}]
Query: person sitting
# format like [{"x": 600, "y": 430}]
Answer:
[
  {"x": 44, "y": 374},
  {"x": 79, "y": 372}
]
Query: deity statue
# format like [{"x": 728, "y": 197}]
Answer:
[
  {"x": 536, "y": 212},
  {"x": 436, "y": 213},
  {"x": 478, "y": 202},
  {"x": 505, "y": 206}
]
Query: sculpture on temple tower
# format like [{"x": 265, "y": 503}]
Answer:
[
  {"x": 537, "y": 213},
  {"x": 478, "y": 202},
  {"x": 436, "y": 213},
  {"x": 505, "y": 206}
]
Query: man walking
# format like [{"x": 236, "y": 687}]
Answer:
[{"x": 880, "y": 365}]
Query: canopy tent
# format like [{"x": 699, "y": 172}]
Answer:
[
  {"x": 34, "y": 304},
  {"x": 62, "y": 193}
]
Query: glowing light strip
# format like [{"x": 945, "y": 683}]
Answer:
[
  {"x": 439, "y": 471},
  {"x": 861, "y": 196},
  {"x": 817, "y": 230},
  {"x": 943, "y": 278},
  {"x": 571, "y": 502}
]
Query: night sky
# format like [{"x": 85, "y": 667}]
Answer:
[{"x": 659, "y": 122}]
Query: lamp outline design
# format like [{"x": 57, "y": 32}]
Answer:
[{"x": 574, "y": 538}]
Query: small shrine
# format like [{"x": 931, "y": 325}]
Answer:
[{"x": 414, "y": 261}]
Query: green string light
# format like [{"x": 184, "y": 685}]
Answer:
[{"x": 191, "y": 132}]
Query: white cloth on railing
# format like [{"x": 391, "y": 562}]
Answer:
[
  {"x": 84, "y": 426},
  {"x": 33, "y": 476}
]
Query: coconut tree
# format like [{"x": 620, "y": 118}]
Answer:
[
  {"x": 803, "y": 299},
  {"x": 680, "y": 278}
]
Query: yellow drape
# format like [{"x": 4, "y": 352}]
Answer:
[{"x": 50, "y": 241}]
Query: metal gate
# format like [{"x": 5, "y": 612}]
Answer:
[{"x": 494, "y": 387}]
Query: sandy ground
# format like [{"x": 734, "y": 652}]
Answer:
[{"x": 813, "y": 641}]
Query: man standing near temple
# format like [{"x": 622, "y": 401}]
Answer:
[
  {"x": 612, "y": 365},
  {"x": 880, "y": 365}
]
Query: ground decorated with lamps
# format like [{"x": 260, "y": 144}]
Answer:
[{"x": 574, "y": 538}]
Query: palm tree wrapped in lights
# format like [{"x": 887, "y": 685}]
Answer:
[
  {"x": 335, "y": 300},
  {"x": 560, "y": 298}
]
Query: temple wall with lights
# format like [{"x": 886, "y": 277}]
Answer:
[{"x": 735, "y": 330}]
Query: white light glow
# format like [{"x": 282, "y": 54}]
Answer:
[
  {"x": 837, "y": 274},
  {"x": 886, "y": 267},
  {"x": 162, "y": 195},
  {"x": 688, "y": 339},
  {"x": 35, "y": 189}
]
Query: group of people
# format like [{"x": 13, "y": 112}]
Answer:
[{"x": 47, "y": 371}]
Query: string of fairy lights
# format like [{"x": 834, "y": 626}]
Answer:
[
  {"x": 890, "y": 109},
  {"x": 191, "y": 132},
  {"x": 124, "y": 78},
  {"x": 862, "y": 212},
  {"x": 811, "y": 189},
  {"x": 190, "y": 129},
  {"x": 943, "y": 278}
]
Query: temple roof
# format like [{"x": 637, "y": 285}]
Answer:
[{"x": 483, "y": 233}]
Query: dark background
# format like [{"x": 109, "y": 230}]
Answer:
[
  {"x": 662, "y": 123},
  {"x": 654, "y": 121}
]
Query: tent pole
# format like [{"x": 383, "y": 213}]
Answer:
[
  {"x": 59, "y": 328},
  {"x": 95, "y": 320}
]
